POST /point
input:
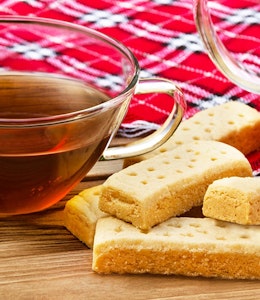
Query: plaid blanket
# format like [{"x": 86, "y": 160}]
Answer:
[{"x": 163, "y": 37}]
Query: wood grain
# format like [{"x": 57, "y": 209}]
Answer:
[{"x": 40, "y": 259}]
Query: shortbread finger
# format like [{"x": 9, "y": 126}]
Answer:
[
  {"x": 234, "y": 199},
  {"x": 81, "y": 214},
  {"x": 181, "y": 246},
  {"x": 233, "y": 123},
  {"x": 169, "y": 184}
]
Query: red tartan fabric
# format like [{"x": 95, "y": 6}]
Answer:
[{"x": 163, "y": 37}]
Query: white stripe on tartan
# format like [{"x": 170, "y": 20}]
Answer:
[
  {"x": 134, "y": 6},
  {"x": 232, "y": 35},
  {"x": 164, "y": 65},
  {"x": 137, "y": 128},
  {"x": 213, "y": 74},
  {"x": 252, "y": 61},
  {"x": 69, "y": 11},
  {"x": 80, "y": 11},
  {"x": 250, "y": 97},
  {"x": 11, "y": 39},
  {"x": 70, "y": 61},
  {"x": 167, "y": 64},
  {"x": 7, "y": 4},
  {"x": 162, "y": 36},
  {"x": 221, "y": 10},
  {"x": 70, "y": 70},
  {"x": 233, "y": 92},
  {"x": 161, "y": 31},
  {"x": 5, "y": 42},
  {"x": 200, "y": 97},
  {"x": 247, "y": 16},
  {"x": 226, "y": 13},
  {"x": 90, "y": 75},
  {"x": 198, "y": 92},
  {"x": 72, "y": 6},
  {"x": 252, "y": 67},
  {"x": 188, "y": 4},
  {"x": 225, "y": 34},
  {"x": 151, "y": 59}
]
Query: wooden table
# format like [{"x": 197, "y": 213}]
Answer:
[{"x": 40, "y": 259}]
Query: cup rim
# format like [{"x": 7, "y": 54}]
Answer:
[{"x": 78, "y": 114}]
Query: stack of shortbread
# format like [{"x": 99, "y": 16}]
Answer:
[{"x": 134, "y": 222}]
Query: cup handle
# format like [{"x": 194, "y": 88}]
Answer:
[
  {"x": 162, "y": 134},
  {"x": 218, "y": 53}
]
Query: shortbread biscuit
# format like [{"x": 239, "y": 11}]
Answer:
[
  {"x": 169, "y": 184},
  {"x": 233, "y": 123},
  {"x": 234, "y": 199},
  {"x": 81, "y": 214},
  {"x": 181, "y": 246}
]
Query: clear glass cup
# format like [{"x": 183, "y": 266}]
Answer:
[
  {"x": 233, "y": 69},
  {"x": 65, "y": 90}
]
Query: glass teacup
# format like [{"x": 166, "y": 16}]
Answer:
[
  {"x": 65, "y": 90},
  {"x": 238, "y": 72}
]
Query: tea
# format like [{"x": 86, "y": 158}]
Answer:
[{"x": 38, "y": 166}]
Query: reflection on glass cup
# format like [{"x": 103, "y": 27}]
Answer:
[
  {"x": 64, "y": 91},
  {"x": 233, "y": 69}
]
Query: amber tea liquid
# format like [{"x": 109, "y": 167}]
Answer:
[{"x": 38, "y": 166}]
